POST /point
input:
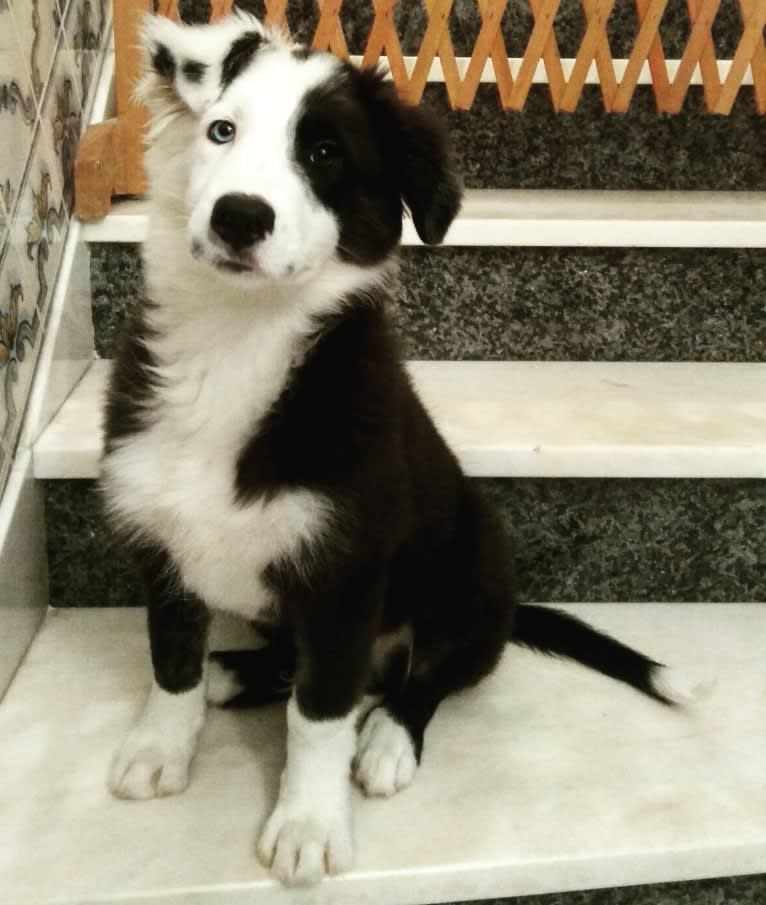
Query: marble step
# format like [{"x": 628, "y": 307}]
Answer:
[
  {"x": 534, "y": 419},
  {"x": 544, "y": 778},
  {"x": 575, "y": 218}
]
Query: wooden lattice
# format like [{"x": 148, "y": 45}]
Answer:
[{"x": 110, "y": 156}]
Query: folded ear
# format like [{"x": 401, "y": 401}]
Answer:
[
  {"x": 186, "y": 66},
  {"x": 428, "y": 183}
]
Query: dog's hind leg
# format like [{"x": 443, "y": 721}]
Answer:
[
  {"x": 390, "y": 742},
  {"x": 250, "y": 678}
]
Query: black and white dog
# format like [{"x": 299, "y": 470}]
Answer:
[{"x": 266, "y": 453}]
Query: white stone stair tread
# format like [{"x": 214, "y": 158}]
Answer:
[
  {"x": 545, "y": 777},
  {"x": 545, "y": 217},
  {"x": 535, "y": 419}
]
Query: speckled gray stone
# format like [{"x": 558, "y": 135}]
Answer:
[
  {"x": 583, "y": 304},
  {"x": 723, "y": 891},
  {"x": 84, "y": 566},
  {"x": 115, "y": 282},
  {"x": 639, "y": 540},
  {"x": 572, "y": 540},
  {"x": 591, "y": 149},
  {"x": 544, "y": 304}
]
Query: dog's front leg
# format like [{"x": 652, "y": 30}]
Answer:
[
  {"x": 155, "y": 757},
  {"x": 309, "y": 831}
]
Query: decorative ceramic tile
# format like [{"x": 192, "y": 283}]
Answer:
[
  {"x": 37, "y": 25},
  {"x": 5, "y": 224},
  {"x": 18, "y": 111},
  {"x": 83, "y": 38},
  {"x": 20, "y": 337},
  {"x": 62, "y": 119},
  {"x": 40, "y": 223}
]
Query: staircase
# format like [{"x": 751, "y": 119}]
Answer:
[{"x": 592, "y": 342}]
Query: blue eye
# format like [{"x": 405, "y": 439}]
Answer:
[{"x": 221, "y": 131}]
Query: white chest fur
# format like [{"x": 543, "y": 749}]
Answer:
[{"x": 175, "y": 481}]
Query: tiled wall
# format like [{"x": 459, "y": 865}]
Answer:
[{"x": 50, "y": 51}]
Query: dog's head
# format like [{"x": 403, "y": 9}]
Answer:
[{"x": 279, "y": 159}]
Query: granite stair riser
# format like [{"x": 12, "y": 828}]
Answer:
[
  {"x": 541, "y": 304},
  {"x": 590, "y": 149},
  {"x": 571, "y": 540}
]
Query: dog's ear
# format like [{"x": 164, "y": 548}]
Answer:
[
  {"x": 417, "y": 143},
  {"x": 187, "y": 66}
]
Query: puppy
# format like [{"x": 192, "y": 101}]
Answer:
[{"x": 266, "y": 453}]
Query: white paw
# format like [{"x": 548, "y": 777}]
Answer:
[
  {"x": 301, "y": 847},
  {"x": 149, "y": 766},
  {"x": 385, "y": 759},
  {"x": 154, "y": 759}
]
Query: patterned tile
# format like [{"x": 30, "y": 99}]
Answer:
[
  {"x": 37, "y": 26},
  {"x": 61, "y": 121},
  {"x": 18, "y": 111},
  {"x": 20, "y": 340},
  {"x": 84, "y": 33},
  {"x": 39, "y": 226},
  {"x": 49, "y": 50}
]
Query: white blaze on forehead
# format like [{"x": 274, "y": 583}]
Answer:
[{"x": 266, "y": 98}]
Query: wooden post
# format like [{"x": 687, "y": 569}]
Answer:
[{"x": 110, "y": 157}]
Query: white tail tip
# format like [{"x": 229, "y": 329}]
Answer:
[{"x": 680, "y": 688}]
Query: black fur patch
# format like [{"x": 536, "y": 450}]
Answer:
[
  {"x": 239, "y": 56},
  {"x": 163, "y": 63},
  {"x": 133, "y": 383},
  {"x": 194, "y": 70},
  {"x": 385, "y": 155}
]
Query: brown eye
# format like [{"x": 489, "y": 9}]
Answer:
[
  {"x": 221, "y": 132},
  {"x": 324, "y": 152}
]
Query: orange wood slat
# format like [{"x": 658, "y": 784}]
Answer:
[
  {"x": 750, "y": 43},
  {"x": 446, "y": 51},
  {"x": 542, "y": 45},
  {"x": 758, "y": 61},
  {"x": 437, "y": 24},
  {"x": 383, "y": 36},
  {"x": 376, "y": 40},
  {"x": 708, "y": 63},
  {"x": 276, "y": 13},
  {"x": 329, "y": 32},
  {"x": 597, "y": 13},
  {"x": 656, "y": 59},
  {"x": 167, "y": 8},
  {"x": 647, "y": 34},
  {"x": 492, "y": 14},
  {"x": 219, "y": 8},
  {"x": 499, "y": 56},
  {"x": 603, "y": 56},
  {"x": 700, "y": 34}
]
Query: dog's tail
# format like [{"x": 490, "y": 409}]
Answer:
[{"x": 552, "y": 631}]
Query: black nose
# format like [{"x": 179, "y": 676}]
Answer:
[{"x": 241, "y": 220}]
